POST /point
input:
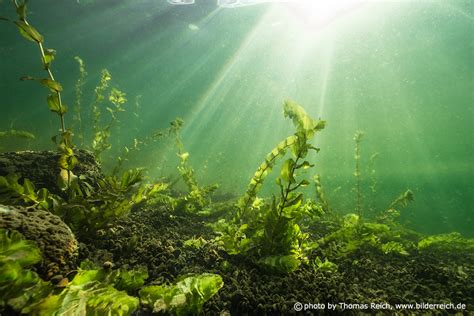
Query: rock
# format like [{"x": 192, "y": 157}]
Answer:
[
  {"x": 53, "y": 237},
  {"x": 41, "y": 167},
  {"x": 107, "y": 265}
]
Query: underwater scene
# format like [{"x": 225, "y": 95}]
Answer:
[{"x": 236, "y": 157}]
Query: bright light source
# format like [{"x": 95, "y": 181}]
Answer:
[
  {"x": 319, "y": 13},
  {"x": 181, "y": 2}
]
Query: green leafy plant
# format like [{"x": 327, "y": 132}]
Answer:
[
  {"x": 322, "y": 202},
  {"x": 373, "y": 181},
  {"x": 85, "y": 209},
  {"x": 19, "y": 286},
  {"x": 393, "y": 247},
  {"x": 357, "y": 173},
  {"x": 393, "y": 211},
  {"x": 271, "y": 231},
  {"x": 12, "y": 192},
  {"x": 186, "y": 297},
  {"x": 78, "y": 89},
  {"x": 447, "y": 242},
  {"x": 196, "y": 243},
  {"x": 102, "y": 131},
  {"x": 54, "y": 100},
  {"x": 402, "y": 200},
  {"x": 88, "y": 211},
  {"x": 324, "y": 266},
  {"x": 198, "y": 198},
  {"x": 355, "y": 234},
  {"x": 94, "y": 291},
  {"x": 135, "y": 148},
  {"x": 17, "y": 134}
]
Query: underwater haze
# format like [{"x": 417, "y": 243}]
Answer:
[
  {"x": 236, "y": 157},
  {"x": 402, "y": 72}
]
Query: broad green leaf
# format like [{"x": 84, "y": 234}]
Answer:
[
  {"x": 287, "y": 170},
  {"x": 29, "y": 187},
  {"x": 186, "y": 297},
  {"x": 13, "y": 247}
]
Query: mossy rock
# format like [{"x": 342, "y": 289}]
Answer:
[
  {"x": 53, "y": 237},
  {"x": 42, "y": 168}
]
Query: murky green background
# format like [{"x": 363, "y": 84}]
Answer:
[{"x": 402, "y": 72}]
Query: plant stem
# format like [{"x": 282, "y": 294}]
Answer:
[{"x": 50, "y": 74}]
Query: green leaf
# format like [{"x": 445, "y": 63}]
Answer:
[
  {"x": 19, "y": 287},
  {"x": 48, "y": 58},
  {"x": 13, "y": 247},
  {"x": 68, "y": 161},
  {"x": 91, "y": 292},
  {"x": 53, "y": 103},
  {"x": 129, "y": 280},
  {"x": 280, "y": 264},
  {"x": 29, "y": 32},
  {"x": 303, "y": 183},
  {"x": 21, "y": 11},
  {"x": 29, "y": 188},
  {"x": 186, "y": 297},
  {"x": 287, "y": 171},
  {"x": 54, "y": 86}
]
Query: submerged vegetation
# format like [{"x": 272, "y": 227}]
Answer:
[
  {"x": 296, "y": 232},
  {"x": 270, "y": 231}
]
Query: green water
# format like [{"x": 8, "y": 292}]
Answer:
[{"x": 401, "y": 72}]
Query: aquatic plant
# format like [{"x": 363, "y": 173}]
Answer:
[
  {"x": 78, "y": 89},
  {"x": 320, "y": 196},
  {"x": 357, "y": 173},
  {"x": 325, "y": 266},
  {"x": 195, "y": 243},
  {"x": 355, "y": 234},
  {"x": 373, "y": 182},
  {"x": 14, "y": 193},
  {"x": 94, "y": 292},
  {"x": 85, "y": 209},
  {"x": 392, "y": 213},
  {"x": 19, "y": 286},
  {"x": 271, "y": 231},
  {"x": 186, "y": 297},
  {"x": 17, "y": 134},
  {"x": 402, "y": 200},
  {"x": 67, "y": 160},
  {"x": 102, "y": 132},
  {"x": 393, "y": 247},
  {"x": 446, "y": 242},
  {"x": 198, "y": 197},
  {"x": 134, "y": 148}
]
